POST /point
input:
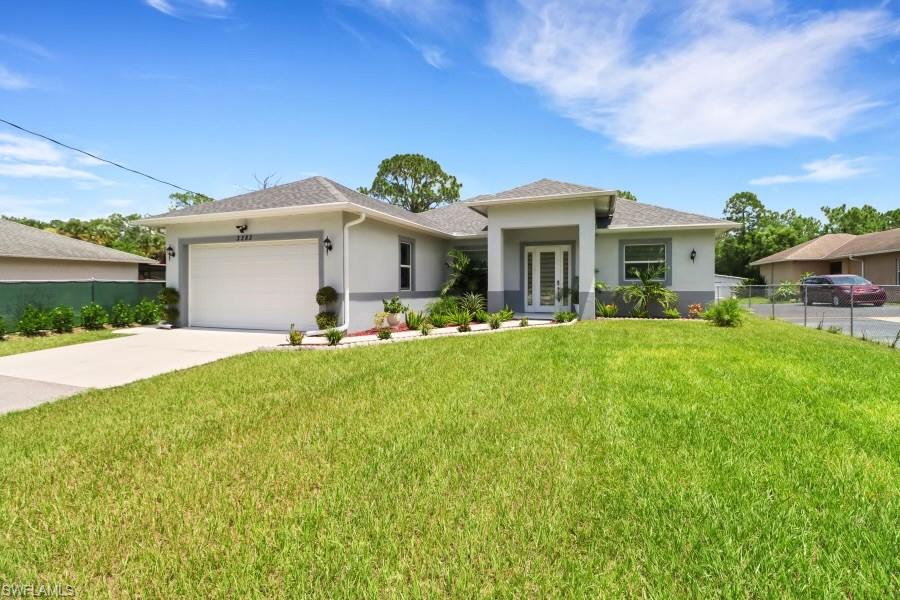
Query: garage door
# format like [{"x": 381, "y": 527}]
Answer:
[{"x": 254, "y": 285}]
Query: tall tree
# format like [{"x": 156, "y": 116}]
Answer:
[
  {"x": 414, "y": 182},
  {"x": 625, "y": 194},
  {"x": 856, "y": 219},
  {"x": 185, "y": 199}
]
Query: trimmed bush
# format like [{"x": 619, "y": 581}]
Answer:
[
  {"x": 727, "y": 313},
  {"x": 146, "y": 312},
  {"x": 93, "y": 316},
  {"x": 121, "y": 315},
  {"x": 564, "y": 316},
  {"x": 169, "y": 298},
  {"x": 326, "y": 295},
  {"x": 326, "y": 320},
  {"x": 414, "y": 320},
  {"x": 32, "y": 322},
  {"x": 62, "y": 319},
  {"x": 607, "y": 311},
  {"x": 295, "y": 336},
  {"x": 384, "y": 333},
  {"x": 334, "y": 336}
]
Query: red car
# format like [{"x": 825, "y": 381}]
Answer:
[{"x": 836, "y": 290}]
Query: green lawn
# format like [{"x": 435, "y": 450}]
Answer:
[
  {"x": 606, "y": 459},
  {"x": 16, "y": 344}
]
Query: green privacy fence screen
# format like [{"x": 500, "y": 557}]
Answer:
[{"x": 16, "y": 295}]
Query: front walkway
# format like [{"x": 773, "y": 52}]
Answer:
[{"x": 32, "y": 378}]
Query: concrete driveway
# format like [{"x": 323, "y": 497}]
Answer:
[{"x": 32, "y": 378}]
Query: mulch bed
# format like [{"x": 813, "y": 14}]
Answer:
[{"x": 374, "y": 331}]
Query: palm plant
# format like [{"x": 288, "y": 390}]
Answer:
[
  {"x": 465, "y": 275},
  {"x": 647, "y": 292}
]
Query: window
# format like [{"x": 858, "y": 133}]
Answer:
[
  {"x": 644, "y": 258},
  {"x": 406, "y": 265},
  {"x": 836, "y": 268}
]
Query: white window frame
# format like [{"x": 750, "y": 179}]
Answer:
[
  {"x": 412, "y": 260},
  {"x": 625, "y": 263}
]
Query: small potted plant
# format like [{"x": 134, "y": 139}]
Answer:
[{"x": 394, "y": 308}]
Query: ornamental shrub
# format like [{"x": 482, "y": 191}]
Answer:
[
  {"x": 147, "y": 312},
  {"x": 121, "y": 315},
  {"x": 93, "y": 316},
  {"x": 326, "y": 320},
  {"x": 326, "y": 295},
  {"x": 334, "y": 336},
  {"x": 62, "y": 319},
  {"x": 726, "y": 313},
  {"x": 295, "y": 336},
  {"x": 33, "y": 321},
  {"x": 564, "y": 316},
  {"x": 384, "y": 333}
]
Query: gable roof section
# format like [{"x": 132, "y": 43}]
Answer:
[
  {"x": 837, "y": 245},
  {"x": 870, "y": 243},
  {"x": 22, "y": 241},
  {"x": 542, "y": 188},
  {"x": 453, "y": 220},
  {"x": 636, "y": 215}
]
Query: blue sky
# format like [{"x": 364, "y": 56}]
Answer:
[{"x": 683, "y": 105}]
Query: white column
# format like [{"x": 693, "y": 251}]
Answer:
[
  {"x": 587, "y": 237},
  {"x": 495, "y": 296}
]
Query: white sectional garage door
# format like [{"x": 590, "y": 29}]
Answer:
[{"x": 254, "y": 285}]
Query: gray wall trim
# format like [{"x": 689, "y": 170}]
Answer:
[
  {"x": 368, "y": 296},
  {"x": 623, "y": 243},
  {"x": 685, "y": 299},
  {"x": 495, "y": 300},
  {"x": 573, "y": 268},
  {"x": 413, "y": 270},
  {"x": 184, "y": 245},
  {"x": 514, "y": 300}
]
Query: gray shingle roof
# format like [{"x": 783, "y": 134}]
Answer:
[
  {"x": 628, "y": 213},
  {"x": 22, "y": 241},
  {"x": 837, "y": 245},
  {"x": 539, "y": 188},
  {"x": 457, "y": 218}
]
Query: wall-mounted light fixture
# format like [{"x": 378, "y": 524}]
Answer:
[
  {"x": 327, "y": 244},
  {"x": 170, "y": 252},
  {"x": 693, "y": 254}
]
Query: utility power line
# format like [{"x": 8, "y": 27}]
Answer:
[{"x": 95, "y": 157}]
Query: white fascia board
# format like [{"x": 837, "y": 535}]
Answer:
[
  {"x": 656, "y": 228},
  {"x": 262, "y": 213}
]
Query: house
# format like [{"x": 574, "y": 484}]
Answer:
[
  {"x": 255, "y": 261},
  {"x": 29, "y": 253},
  {"x": 875, "y": 256}
]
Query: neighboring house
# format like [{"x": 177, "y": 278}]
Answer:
[
  {"x": 29, "y": 253},
  {"x": 255, "y": 261},
  {"x": 875, "y": 256}
]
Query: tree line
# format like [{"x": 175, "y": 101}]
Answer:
[{"x": 766, "y": 231}]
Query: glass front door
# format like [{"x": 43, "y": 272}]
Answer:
[{"x": 547, "y": 278}]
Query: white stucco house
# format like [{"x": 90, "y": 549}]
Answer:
[{"x": 255, "y": 261}]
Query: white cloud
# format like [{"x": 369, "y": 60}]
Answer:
[
  {"x": 15, "y": 147},
  {"x": 27, "y": 45},
  {"x": 200, "y": 8},
  {"x": 433, "y": 55},
  {"x": 693, "y": 74},
  {"x": 12, "y": 81},
  {"x": 31, "y": 171},
  {"x": 833, "y": 168},
  {"x": 28, "y": 158},
  {"x": 423, "y": 11}
]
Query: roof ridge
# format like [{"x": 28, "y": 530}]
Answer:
[
  {"x": 56, "y": 236},
  {"x": 330, "y": 188}
]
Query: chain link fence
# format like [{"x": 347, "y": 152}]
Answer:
[
  {"x": 865, "y": 311},
  {"x": 45, "y": 295}
]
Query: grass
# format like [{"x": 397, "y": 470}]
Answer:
[
  {"x": 607, "y": 459},
  {"x": 17, "y": 344}
]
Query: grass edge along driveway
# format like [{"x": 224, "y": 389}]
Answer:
[
  {"x": 19, "y": 344},
  {"x": 603, "y": 459}
]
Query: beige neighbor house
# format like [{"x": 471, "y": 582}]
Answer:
[
  {"x": 875, "y": 256},
  {"x": 31, "y": 254},
  {"x": 255, "y": 261}
]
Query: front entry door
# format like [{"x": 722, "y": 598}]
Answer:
[{"x": 548, "y": 278}]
